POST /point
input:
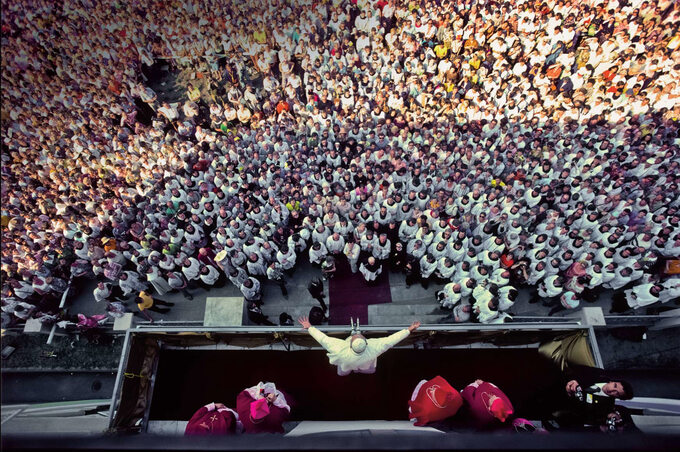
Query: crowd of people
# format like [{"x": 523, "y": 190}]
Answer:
[{"x": 481, "y": 144}]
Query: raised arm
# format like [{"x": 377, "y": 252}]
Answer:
[
  {"x": 385, "y": 343},
  {"x": 330, "y": 344}
]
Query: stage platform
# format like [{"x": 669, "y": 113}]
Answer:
[
  {"x": 186, "y": 380},
  {"x": 166, "y": 374}
]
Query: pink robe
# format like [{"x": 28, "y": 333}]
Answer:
[
  {"x": 477, "y": 398},
  {"x": 211, "y": 420},
  {"x": 272, "y": 423}
]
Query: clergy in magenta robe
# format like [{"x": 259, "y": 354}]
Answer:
[
  {"x": 214, "y": 419},
  {"x": 433, "y": 400},
  {"x": 262, "y": 409},
  {"x": 488, "y": 406}
]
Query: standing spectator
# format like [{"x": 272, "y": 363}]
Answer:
[{"x": 146, "y": 302}]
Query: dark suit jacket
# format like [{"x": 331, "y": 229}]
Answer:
[
  {"x": 552, "y": 396},
  {"x": 594, "y": 407},
  {"x": 587, "y": 376}
]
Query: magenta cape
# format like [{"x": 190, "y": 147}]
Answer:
[
  {"x": 272, "y": 423},
  {"x": 209, "y": 421},
  {"x": 477, "y": 400}
]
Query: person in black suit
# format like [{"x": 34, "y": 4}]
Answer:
[
  {"x": 588, "y": 396},
  {"x": 595, "y": 381}
]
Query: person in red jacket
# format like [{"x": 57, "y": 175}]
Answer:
[
  {"x": 433, "y": 400},
  {"x": 262, "y": 409},
  {"x": 489, "y": 407}
]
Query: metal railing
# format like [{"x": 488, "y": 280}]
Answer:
[
  {"x": 659, "y": 321},
  {"x": 62, "y": 304}
]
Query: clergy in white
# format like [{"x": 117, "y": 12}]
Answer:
[{"x": 356, "y": 353}]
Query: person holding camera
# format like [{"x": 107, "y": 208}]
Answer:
[{"x": 590, "y": 396}]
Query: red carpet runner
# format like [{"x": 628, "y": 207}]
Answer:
[{"x": 349, "y": 295}]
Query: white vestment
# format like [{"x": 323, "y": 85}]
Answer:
[{"x": 340, "y": 353}]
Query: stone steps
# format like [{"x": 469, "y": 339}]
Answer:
[
  {"x": 414, "y": 294},
  {"x": 404, "y": 319},
  {"x": 427, "y": 300},
  {"x": 273, "y": 310},
  {"x": 390, "y": 309}
]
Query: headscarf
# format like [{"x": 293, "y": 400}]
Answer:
[{"x": 263, "y": 389}]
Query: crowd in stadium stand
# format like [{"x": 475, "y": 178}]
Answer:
[{"x": 485, "y": 145}]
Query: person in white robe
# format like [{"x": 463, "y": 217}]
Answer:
[
  {"x": 506, "y": 297},
  {"x": 382, "y": 247},
  {"x": 317, "y": 253},
  {"x": 286, "y": 257},
  {"x": 209, "y": 275},
  {"x": 643, "y": 295},
  {"x": 356, "y": 353},
  {"x": 450, "y": 295},
  {"x": 370, "y": 269},
  {"x": 335, "y": 243},
  {"x": 156, "y": 279},
  {"x": 129, "y": 283},
  {"x": 352, "y": 251},
  {"x": 191, "y": 269}
]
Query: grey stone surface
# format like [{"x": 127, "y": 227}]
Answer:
[
  {"x": 123, "y": 323},
  {"x": 621, "y": 350},
  {"x": 167, "y": 428},
  {"x": 93, "y": 424},
  {"x": 593, "y": 316},
  {"x": 33, "y": 326},
  {"x": 404, "y": 319},
  {"x": 223, "y": 311},
  {"x": 410, "y": 295},
  {"x": 299, "y": 302},
  {"x": 406, "y": 309}
]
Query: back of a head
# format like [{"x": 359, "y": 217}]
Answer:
[
  {"x": 628, "y": 389},
  {"x": 358, "y": 344},
  {"x": 500, "y": 410}
]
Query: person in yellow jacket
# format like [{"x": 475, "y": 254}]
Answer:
[{"x": 145, "y": 302}]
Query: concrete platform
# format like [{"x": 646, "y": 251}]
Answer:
[
  {"x": 34, "y": 326},
  {"x": 123, "y": 323},
  {"x": 223, "y": 311},
  {"x": 93, "y": 424}
]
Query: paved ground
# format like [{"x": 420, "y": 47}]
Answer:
[
  {"x": 659, "y": 351},
  {"x": 56, "y": 386},
  {"x": 407, "y": 303}
]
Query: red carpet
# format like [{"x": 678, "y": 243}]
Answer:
[{"x": 349, "y": 295}]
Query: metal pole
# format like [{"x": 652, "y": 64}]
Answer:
[
  {"x": 119, "y": 377},
  {"x": 596, "y": 350},
  {"x": 62, "y": 303}
]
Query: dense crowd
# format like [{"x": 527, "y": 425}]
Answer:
[{"x": 481, "y": 144}]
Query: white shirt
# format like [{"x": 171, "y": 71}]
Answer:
[
  {"x": 451, "y": 298},
  {"x": 102, "y": 294},
  {"x": 640, "y": 296},
  {"x": 335, "y": 246},
  {"x": 192, "y": 272},
  {"x": 212, "y": 276}
]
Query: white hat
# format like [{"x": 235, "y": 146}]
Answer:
[
  {"x": 220, "y": 256},
  {"x": 358, "y": 344}
]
